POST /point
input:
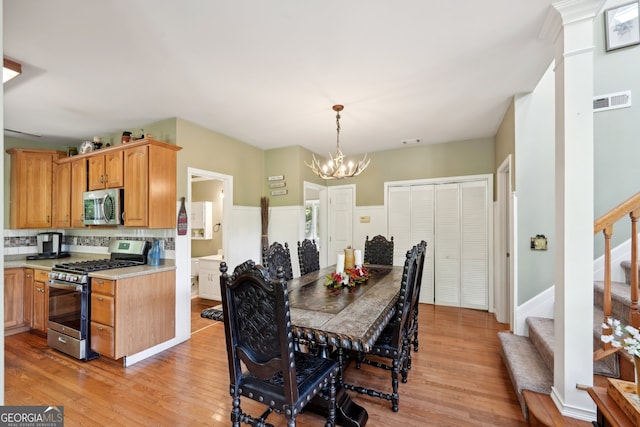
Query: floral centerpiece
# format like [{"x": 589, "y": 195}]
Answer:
[
  {"x": 348, "y": 278},
  {"x": 626, "y": 337}
]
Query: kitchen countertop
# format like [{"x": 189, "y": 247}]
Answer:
[{"x": 21, "y": 261}]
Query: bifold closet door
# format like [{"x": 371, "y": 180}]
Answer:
[
  {"x": 461, "y": 245},
  {"x": 447, "y": 245},
  {"x": 410, "y": 219}
]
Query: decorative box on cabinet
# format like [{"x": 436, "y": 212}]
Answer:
[
  {"x": 209, "y": 277},
  {"x": 201, "y": 220},
  {"x": 31, "y": 187}
]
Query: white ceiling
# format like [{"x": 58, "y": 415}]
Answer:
[{"x": 268, "y": 72}]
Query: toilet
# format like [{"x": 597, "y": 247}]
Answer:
[{"x": 194, "y": 277}]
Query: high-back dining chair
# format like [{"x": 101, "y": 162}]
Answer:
[
  {"x": 275, "y": 256},
  {"x": 262, "y": 363},
  {"x": 412, "y": 322},
  {"x": 308, "y": 256},
  {"x": 392, "y": 342},
  {"x": 378, "y": 250}
]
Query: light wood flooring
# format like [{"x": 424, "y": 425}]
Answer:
[{"x": 458, "y": 379}]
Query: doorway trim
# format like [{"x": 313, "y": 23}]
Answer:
[
  {"x": 227, "y": 205},
  {"x": 322, "y": 219},
  {"x": 505, "y": 292}
]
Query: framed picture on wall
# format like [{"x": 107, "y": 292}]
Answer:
[{"x": 621, "y": 26}]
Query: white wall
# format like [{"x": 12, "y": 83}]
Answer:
[{"x": 535, "y": 154}]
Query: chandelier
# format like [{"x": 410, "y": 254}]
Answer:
[{"x": 337, "y": 167}]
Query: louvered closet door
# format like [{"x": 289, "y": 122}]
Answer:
[
  {"x": 447, "y": 245},
  {"x": 399, "y": 222},
  {"x": 422, "y": 198},
  {"x": 475, "y": 252}
]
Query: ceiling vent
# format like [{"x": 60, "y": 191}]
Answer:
[{"x": 612, "y": 101}]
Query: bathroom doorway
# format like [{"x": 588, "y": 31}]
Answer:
[{"x": 209, "y": 204}]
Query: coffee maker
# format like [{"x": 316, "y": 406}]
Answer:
[{"x": 49, "y": 246}]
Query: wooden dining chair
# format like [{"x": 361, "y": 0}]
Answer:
[
  {"x": 308, "y": 256},
  {"x": 262, "y": 363},
  {"x": 275, "y": 256},
  {"x": 412, "y": 323},
  {"x": 378, "y": 250},
  {"x": 392, "y": 342}
]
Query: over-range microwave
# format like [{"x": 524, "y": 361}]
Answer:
[{"x": 103, "y": 207}]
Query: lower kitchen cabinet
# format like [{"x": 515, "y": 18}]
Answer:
[
  {"x": 132, "y": 314},
  {"x": 13, "y": 300},
  {"x": 28, "y": 297},
  {"x": 209, "y": 279},
  {"x": 40, "y": 312}
]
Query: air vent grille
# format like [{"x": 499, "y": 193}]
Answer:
[{"x": 612, "y": 101}]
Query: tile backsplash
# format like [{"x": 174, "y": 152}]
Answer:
[{"x": 19, "y": 242}]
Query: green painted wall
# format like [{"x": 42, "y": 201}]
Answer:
[
  {"x": 505, "y": 145},
  {"x": 289, "y": 162},
  {"x": 212, "y": 151},
  {"x": 458, "y": 158}
]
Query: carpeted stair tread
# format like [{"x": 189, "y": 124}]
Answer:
[
  {"x": 527, "y": 369},
  {"x": 626, "y": 266},
  {"x": 542, "y": 335},
  {"x": 620, "y": 299}
]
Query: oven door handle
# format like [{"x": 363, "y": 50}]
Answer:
[{"x": 63, "y": 285}]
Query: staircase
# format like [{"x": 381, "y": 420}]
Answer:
[{"x": 529, "y": 360}]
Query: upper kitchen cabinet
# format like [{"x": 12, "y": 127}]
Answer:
[
  {"x": 69, "y": 185},
  {"x": 150, "y": 184},
  {"x": 106, "y": 170},
  {"x": 31, "y": 187}
]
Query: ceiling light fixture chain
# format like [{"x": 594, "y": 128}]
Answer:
[{"x": 335, "y": 167}]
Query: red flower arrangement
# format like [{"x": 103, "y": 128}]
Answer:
[{"x": 349, "y": 278}]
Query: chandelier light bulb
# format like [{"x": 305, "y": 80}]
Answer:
[{"x": 335, "y": 167}]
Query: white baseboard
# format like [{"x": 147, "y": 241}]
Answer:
[{"x": 539, "y": 306}]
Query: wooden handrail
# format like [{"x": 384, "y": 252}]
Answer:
[
  {"x": 615, "y": 214},
  {"x": 605, "y": 224}
]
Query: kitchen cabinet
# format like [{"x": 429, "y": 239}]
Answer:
[
  {"x": 201, "y": 220},
  {"x": 209, "y": 277},
  {"x": 78, "y": 187},
  {"x": 13, "y": 300},
  {"x": 40, "y": 320},
  {"x": 132, "y": 314},
  {"x": 61, "y": 199},
  {"x": 150, "y": 184},
  {"x": 28, "y": 296},
  {"x": 31, "y": 187},
  {"x": 106, "y": 170}
]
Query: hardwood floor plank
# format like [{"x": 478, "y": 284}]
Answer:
[{"x": 458, "y": 379}]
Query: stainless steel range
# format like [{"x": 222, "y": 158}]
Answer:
[{"x": 70, "y": 296}]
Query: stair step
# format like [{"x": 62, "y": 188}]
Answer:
[
  {"x": 620, "y": 299},
  {"x": 527, "y": 369},
  {"x": 542, "y": 335},
  {"x": 626, "y": 266}
]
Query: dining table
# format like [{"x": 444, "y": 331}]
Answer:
[{"x": 337, "y": 321}]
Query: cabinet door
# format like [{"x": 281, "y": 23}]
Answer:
[
  {"x": 35, "y": 183},
  {"x": 96, "y": 172},
  {"x": 209, "y": 280},
  {"x": 40, "y": 307},
  {"x": 136, "y": 170},
  {"x": 114, "y": 169},
  {"x": 13, "y": 297},
  {"x": 78, "y": 187},
  {"x": 28, "y": 297},
  {"x": 61, "y": 201}
]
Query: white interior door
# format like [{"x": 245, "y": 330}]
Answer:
[
  {"x": 399, "y": 222},
  {"x": 422, "y": 228},
  {"x": 447, "y": 245},
  {"x": 340, "y": 220},
  {"x": 474, "y": 245}
]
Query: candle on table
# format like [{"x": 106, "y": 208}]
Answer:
[
  {"x": 358, "y": 256},
  {"x": 340, "y": 263}
]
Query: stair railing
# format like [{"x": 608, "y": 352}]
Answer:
[{"x": 605, "y": 224}]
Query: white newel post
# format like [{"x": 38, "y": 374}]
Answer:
[{"x": 573, "y": 353}]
